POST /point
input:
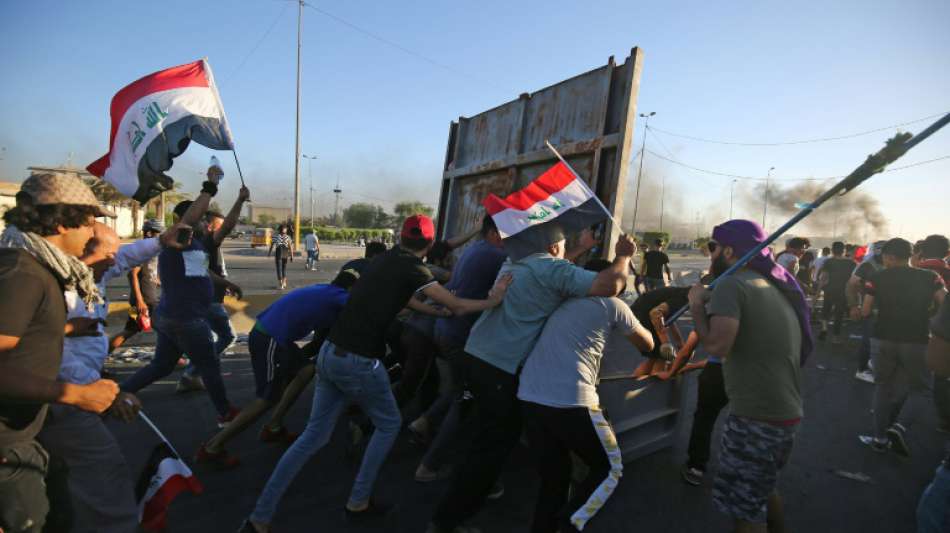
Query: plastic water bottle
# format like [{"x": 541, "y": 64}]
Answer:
[{"x": 217, "y": 164}]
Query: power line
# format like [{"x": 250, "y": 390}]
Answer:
[
  {"x": 394, "y": 44},
  {"x": 668, "y": 151},
  {"x": 259, "y": 42},
  {"x": 804, "y": 141},
  {"x": 754, "y": 178}
]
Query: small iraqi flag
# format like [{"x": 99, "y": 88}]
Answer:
[
  {"x": 555, "y": 204},
  {"x": 164, "y": 477},
  {"x": 153, "y": 121}
]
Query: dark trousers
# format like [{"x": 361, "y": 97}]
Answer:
[
  {"x": 555, "y": 433},
  {"x": 710, "y": 399},
  {"x": 835, "y": 305},
  {"x": 281, "y": 263},
  {"x": 418, "y": 368},
  {"x": 496, "y": 421},
  {"x": 864, "y": 349},
  {"x": 452, "y": 408}
]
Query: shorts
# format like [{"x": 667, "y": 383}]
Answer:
[
  {"x": 753, "y": 453},
  {"x": 274, "y": 365},
  {"x": 132, "y": 323}
]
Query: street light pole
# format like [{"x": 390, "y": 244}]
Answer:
[
  {"x": 662, "y": 203},
  {"x": 300, "y": 5},
  {"x": 765, "y": 208},
  {"x": 643, "y": 148},
  {"x": 310, "y": 159},
  {"x": 732, "y": 197}
]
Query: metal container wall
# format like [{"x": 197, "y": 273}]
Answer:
[{"x": 589, "y": 118}]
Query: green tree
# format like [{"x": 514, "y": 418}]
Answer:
[
  {"x": 701, "y": 242},
  {"x": 265, "y": 219},
  {"x": 404, "y": 210},
  {"x": 361, "y": 215}
]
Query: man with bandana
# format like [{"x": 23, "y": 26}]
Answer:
[{"x": 757, "y": 322}]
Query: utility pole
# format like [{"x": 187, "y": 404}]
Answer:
[
  {"x": 310, "y": 159},
  {"x": 300, "y": 4},
  {"x": 336, "y": 210},
  {"x": 732, "y": 197},
  {"x": 662, "y": 203},
  {"x": 643, "y": 151},
  {"x": 765, "y": 208}
]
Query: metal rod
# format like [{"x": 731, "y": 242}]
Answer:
[
  {"x": 875, "y": 163},
  {"x": 584, "y": 184},
  {"x": 238, "y": 164},
  {"x": 297, "y": 142},
  {"x": 157, "y": 432}
]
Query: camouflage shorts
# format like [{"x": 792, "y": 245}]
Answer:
[{"x": 752, "y": 454}]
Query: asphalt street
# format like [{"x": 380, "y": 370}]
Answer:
[{"x": 650, "y": 496}]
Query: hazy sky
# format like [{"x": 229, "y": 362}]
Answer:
[{"x": 377, "y": 117}]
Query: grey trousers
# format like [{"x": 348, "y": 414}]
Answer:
[
  {"x": 100, "y": 484},
  {"x": 901, "y": 383}
]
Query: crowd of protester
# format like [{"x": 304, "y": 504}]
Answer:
[{"x": 495, "y": 349}]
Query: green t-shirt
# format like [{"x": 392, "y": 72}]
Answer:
[{"x": 762, "y": 372}]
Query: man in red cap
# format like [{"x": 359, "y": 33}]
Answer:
[{"x": 350, "y": 369}]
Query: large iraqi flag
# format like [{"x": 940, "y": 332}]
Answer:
[
  {"x": 556, "y": 204},
  {"x": 153, "y": 121}
]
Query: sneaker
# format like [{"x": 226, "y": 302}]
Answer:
[
  {"x": 226, "y": 419},
  {"x": 693, "y": 476},
  {"x": 895, "y": 436},
  {"x": 278, "y": 435},
  {"x": 864, "y": 375},
  {"x": 880, "y": 446},
  {"x": 220, "y": 459},
  {"x": 496, "y": 492},
  {"x": 188, "y": 383},
  {"x": 419, "y": 431},
  {"x": 374, "y": 510},
  {"x": 424, "y": 475},
  {"x": 248, "y": 527}
]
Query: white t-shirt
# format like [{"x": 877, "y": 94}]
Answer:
[
  {"x": 789, "y": 261},
  {"x": 562, "y": 369},
  {"x": 820, "y": 262},
  {"x": 310, "y": 242}
]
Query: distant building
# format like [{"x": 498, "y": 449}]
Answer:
[
  {"x": 8, "y": 192},
  {"x": 270, "y": 213}
]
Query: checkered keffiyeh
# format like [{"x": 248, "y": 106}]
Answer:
[{"x": 71, "y": 272}]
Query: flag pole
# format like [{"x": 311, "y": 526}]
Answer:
[
  {"x": 224, "y": 116},
  {"x": 584, "y": 184},
  {"x": 157, "y": 432},
  {"x": 893, "y": 149},
  {"x": 238, "y": 163}
]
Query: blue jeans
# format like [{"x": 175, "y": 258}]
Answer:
[
  {"x": 653, "y": 283},
  {"x": 864, "y": 349},
  {"x": 933, "y": 511},
  {"x": 312, "y": 257},
  {"x": 220, "y": 324},
  {"x": 341, "y": 379},
  {"x": 174, "y": 339}
]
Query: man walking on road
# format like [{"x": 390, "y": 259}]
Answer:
[
  {"x": 45, "y": 234},
  {"x": 757, "y": 323},
  {"x": 655, "y": 264},
  {"x": 311, "y": 244},
  {"x": 832, "y": 279},
  {"x": 854, "y": 292},
  {"x": 904, "y": 297}
]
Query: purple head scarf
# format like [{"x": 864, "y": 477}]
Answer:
[{"x": 743, "y": 236}]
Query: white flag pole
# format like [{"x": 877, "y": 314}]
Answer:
[
  {"x": 157, "y": 432},
  {"x": 224, "y": 118},
  {"x": 583, "y": 183}
]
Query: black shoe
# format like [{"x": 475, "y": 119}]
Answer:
[
  {"x": 895, "y": 435},
  {"x": 374, "y": 510}
]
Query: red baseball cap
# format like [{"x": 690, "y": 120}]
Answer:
[{"x": 418, "y": 227}]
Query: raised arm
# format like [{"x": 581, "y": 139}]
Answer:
[
  {"x": 231, "y": 220},
  {"x": 610, "y": 281},
  {"x": 459, "y": 240},
  {"x": 585, "y": 243}
]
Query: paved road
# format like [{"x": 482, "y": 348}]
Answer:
[{"x": 650, "y": 496}]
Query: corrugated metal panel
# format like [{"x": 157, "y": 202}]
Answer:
[{"x": 589, "y": 118}]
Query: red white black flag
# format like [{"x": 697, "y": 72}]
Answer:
[
  {"x": 153, "y": 121},
  {"x": 164, "y": 477}
]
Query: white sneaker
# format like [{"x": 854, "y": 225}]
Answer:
[{"x": 865, "y": 376}]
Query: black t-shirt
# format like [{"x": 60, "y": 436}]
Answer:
[
  {"x": 384, "y": 288},
  {"x": 839, "y": 270},
  {"x": 216, "y": 265},
  {"x": 676, "y": 297},
  {"x": 356, "y": 264},
  {"x": 904, "y": 298},
  {"x": 148, "y": 283},
  {"x": 655, "y": 260},
  {"x": 32, "y": 308}
]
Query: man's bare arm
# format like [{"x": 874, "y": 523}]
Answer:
[
  {"x": 17, "y": 384},
  {"x": 464, "y": 306},
  {"x": 231, "y": 220},
  {"x": 585, "y": 243}
]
